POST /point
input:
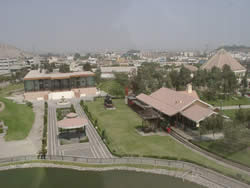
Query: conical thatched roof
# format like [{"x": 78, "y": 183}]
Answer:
[{"x": 222, "y": 58}]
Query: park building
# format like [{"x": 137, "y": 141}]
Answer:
[
  {"x": 221, "y": 58},
  {"x": 181, "y": 108},
  {"x": 42, "y": 86}
]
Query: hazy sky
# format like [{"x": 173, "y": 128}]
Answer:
[{"x": 86, "y": 25}]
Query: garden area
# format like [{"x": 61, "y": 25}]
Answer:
[
  {"x": 123, "y": 140},
  {"x": 19, "y": 119}
]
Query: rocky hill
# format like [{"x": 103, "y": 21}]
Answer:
[{"x": 8, "y": 51}]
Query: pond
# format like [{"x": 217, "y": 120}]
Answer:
[{"x": 66, "y": 178}]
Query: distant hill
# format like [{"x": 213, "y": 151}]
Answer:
[
  {"x": 240, "y": 48},
  {"x": 8, "y": 51}
]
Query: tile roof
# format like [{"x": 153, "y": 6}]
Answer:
[
  {"x": 72, "y": 123},
  {"x": 171, "y": 102},
  {"x": 162, "y": 107},
  {"x": 176, "y": 99},
  {"x": 222, "y": 58},
  {"x": 197, "y": 112}
]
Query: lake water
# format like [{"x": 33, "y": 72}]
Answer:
[{"x": 65, "y": 178}]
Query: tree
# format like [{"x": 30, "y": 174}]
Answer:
[
  {"x": 122, "y": 79},
  {"x": 64, "y": 68},
  {"x": 77, "y": 56},
  {"x": 97, "y": 76},
  {"x": 87, "y": 67}
]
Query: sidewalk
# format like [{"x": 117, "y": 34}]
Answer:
[{"x": 233, "y": 107}]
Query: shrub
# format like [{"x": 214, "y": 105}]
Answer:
[
  {"x": 1, "y": 130},
  {"x": 29, "y": 104},
  {"x": 85, "y": 139}
]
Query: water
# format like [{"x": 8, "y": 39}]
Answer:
[{"x": 65, "y": 178}]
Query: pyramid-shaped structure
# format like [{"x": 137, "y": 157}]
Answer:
[{"x": 222, "y": 58}]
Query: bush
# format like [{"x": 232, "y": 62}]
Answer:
[
  {"x": 85, "y": 139},
  {"x": 1, "y": 130},
  {"x": 29, "y": 104}
]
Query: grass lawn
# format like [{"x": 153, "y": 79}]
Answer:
[
  {"x": 230, "y": 102},
  {"x": 241, "y": 156},
  {"x": 231, "y": 113},
  {"x": 112, "y": 87},
  {"x": 8, "y": 89},
  {"x": 18, "y": 117},
  {"x": 120, "y": 126}
]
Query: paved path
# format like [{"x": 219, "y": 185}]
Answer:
[
  {"x": 30, "y": 145},
  {"x": 93, "y": 149},
  {"x": 52, "y": 130},
  {"x": 233, "y": 107},
  {"x": 98, "y": 148}
]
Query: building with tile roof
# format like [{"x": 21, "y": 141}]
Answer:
[
  {"x": 177, "y": 105},
  {"x": 222, "y": 58}
]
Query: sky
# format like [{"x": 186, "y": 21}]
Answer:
[{"x": 97, "y": 25}]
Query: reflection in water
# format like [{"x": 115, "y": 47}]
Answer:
[{"x": 65, "y": 178}]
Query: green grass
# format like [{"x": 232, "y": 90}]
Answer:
[
  {"x": 120, "y": 127},
  {"x": 231, "y": 113},
  {"x": 218, "y": 147},
  {"x": 230, "y": 102},
  {"x": 18, "y": 117},
  {"x": 6, "y": 91},
  {"x": 112, "y": 87}
]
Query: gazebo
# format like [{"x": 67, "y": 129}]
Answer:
[{"x": 72, "y": 122}]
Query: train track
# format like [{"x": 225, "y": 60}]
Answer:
[{"x": 209, "y": 154}]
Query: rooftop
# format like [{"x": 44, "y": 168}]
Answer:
[
  {"x": 171, "y": 102},
  {"x": 36, "y": 75},
  {"x": 222, "y": 58}
]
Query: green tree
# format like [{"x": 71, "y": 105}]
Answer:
[
  {"x": 77, "y": 56},
  {"x": 64, "y": 68},
  {"x": 87, "y": 67}
]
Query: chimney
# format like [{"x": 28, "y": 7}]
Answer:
[{"x": 189, "y": 88}]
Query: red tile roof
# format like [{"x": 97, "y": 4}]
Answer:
[
  {"x": 72, "y": 123},
  {"x": 197, "y": 112},
  {"x": 171, "y": 102},
  {"x": 222, "y": 58}
]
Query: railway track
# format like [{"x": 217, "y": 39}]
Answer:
[{"x": 209, "y": 154}]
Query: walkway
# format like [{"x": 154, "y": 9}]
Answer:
[
  {"x": 30, "y": 145},
  {"x": 98, "y": 148},
  {"x": 233, "y": 107},
  {"x": 52, "y": 130}
]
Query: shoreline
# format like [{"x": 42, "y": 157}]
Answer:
[{"x": 182, "y": 176}]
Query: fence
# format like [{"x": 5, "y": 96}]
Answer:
[{"x": 210, "y": 175}]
